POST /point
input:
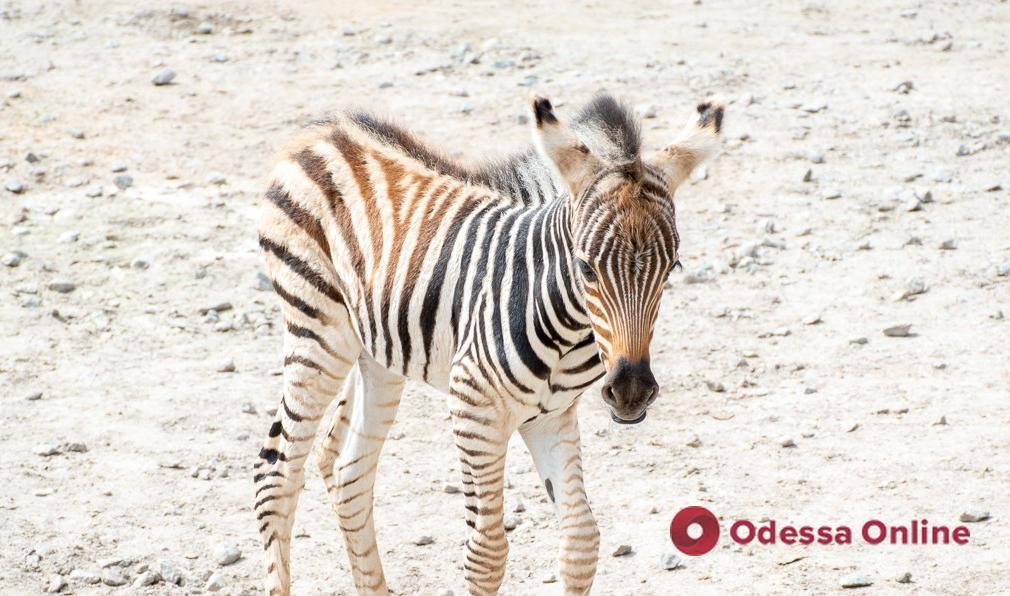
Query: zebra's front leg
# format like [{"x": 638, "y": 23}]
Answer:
[
  {"x": 556, "y": 448},
  {"x": 349, "y": 458},
  {"x": 481, "y": 434}
]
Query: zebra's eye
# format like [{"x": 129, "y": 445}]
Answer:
[
  {"x": 677, "y": 265},
  {"x": 586, "y": 270}
]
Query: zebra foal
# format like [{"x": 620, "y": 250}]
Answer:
[{"x": 512, "y": 286}]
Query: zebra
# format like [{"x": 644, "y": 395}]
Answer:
[{"x": 511, "y": 285}]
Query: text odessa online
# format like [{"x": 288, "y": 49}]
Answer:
[{"x": 872, "y": 532}]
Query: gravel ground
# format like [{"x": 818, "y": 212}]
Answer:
[{"x": 863, "y": 186}]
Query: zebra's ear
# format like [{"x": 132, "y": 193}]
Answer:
[
  {"x": 561, "y": 148},
  {"x": 697, "y": 142}
]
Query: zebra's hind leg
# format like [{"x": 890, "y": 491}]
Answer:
[
  {"x": 349, "y": 458},
  {"x": 317, "y": 358}
]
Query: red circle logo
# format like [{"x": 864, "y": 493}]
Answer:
[{"x": 688, "y": 517}]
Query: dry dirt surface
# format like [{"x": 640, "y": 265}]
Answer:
[{"x": 863, "y": 185}]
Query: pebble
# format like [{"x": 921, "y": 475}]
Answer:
[
  {"x": 214, "y": 583},
  {"x": 217, "y": 180},
  {"x": 974, "y": 515},
  {"x": 715, "y": 386},
  {"x": 512, "y": 522},
  {"x": 248, "y": 408},
  {"x": 913, "y": 287},
  {"x": 855, "y": 580},
  {"x": 147, "y": 578},
  {"x": 94, "y": 191},
  {"x": 623, "y": 550},
  {"x": 62, "y": 286},
  {"x": 808, "y": 176},
  {"x": 123, "y": 181},
  {"x": 520, "y": 507},
  {"x": 12, "y": 259},
  {"x": 450, "y": 489},
  {"x": 424, "y": 540},
  {"x": 164, "y": 77},
  {"x": 646, "y": 110},
  {"x": 900, "y": 330},
  {"x": 47, "y": 449},
  {"x": 263, "y": 283},
  {"x": 226, "y": 366},
  {"x": 69, "y": 237},
  {"x": 14, "y": 186},
  {"x": 34, "y": 396},
  {"x": 831, "y": 194},
  {"x": 444, "y": 592},
  {"x": 904, "y": 578},
  {"x": 669, "y": 561},
  {"x": 140, "y": 263},
  {"x": 76, "y": 133},
  {"x": 169, "y": 573},
  {"x": 113, "y": 577},
  {"x": 787, "y": 443},
  {"x": 948, "y": 244},
  {"x": 941, "y": 422},
  {"x": 226, "y": 554},
  {"x": 904, "y": 87},
  {"x": 118, "y": 166},
  {"x": 84, "y": 576},
  {"x": 55, "y": 584},
  {"x": 204, "y": 28}
]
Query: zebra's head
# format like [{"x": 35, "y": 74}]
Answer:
[{"x": 623, "y": 229}]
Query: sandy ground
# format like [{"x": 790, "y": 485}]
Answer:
[{"x": 774, "y": 333}]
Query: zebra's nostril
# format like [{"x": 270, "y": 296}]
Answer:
[{"x": 608, "y": 395}]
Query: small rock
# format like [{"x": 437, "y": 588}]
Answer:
[
  {"x": 76, "y": 133},
  {"x": 904, "y": 578},
  {"x": 715, "y": 386},
  {"x": 424, "y": 540},
  {"x": 948, "y": 244},
  {"x": 913, "y": 287},
  {"x": 941, "y": 422},
  {"x": 646, "y": 110},
  {"x": 169, "y": 573},
  {"x": 248, "y": 408},
  {"x": 140, "y": 263},
  {"x": 14, "y": 186},
  {"x": 76, "y": 447},
  {"x": 900, "y": 330},
  {"x": 512, "y": 522},
  {"x": 226, "y": 366},
  {"x": 808, "y": 176},
  {"x": 831, "y": 194},
  {"x": 444, "y": 592},
  {"x": 217, "y": 180},
  {"x": 974, "y": 515},
  {"x": 123, "y": 181},
  {"x": 519, "y": 507},
  {"x": 814, "y": 319},
  {"x": 118, "y": 166},
  {"x": 47, "y": 449},
  {"x": 62, "y": 286},
  {"x": 164, "y": 77},
  {"x": 623, "y": 550},
  {"x": 204, "y": 28},
  {"x": 84, "y": 576},
  {"x": 69, "y": 237},
  {"x": 113, "y": 577},
  {"x": 450, "y": 489},
  {"x": 694, "y": 443},
  {"x": 12, "y": 259},
  {"x": 263, "y": 283},
  {"x": 904, "y": 87},
  {"x": 94, "y": 191},
  {"x": 215, "y": 582},
  {"x": 34, "y": 396},
  {"x": 55, "y": 584},
  {"x": 32, "y": 158},
  {"x": 855, "y": 580},
  {"x": 787, "y": 443},
  {"x": 669, "y": 561},
  {"x": 226, "y": 554},
  {"x": 147, "y": 578}
]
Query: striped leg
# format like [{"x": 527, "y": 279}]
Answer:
[
  {"x": 349, "y": 457},
  {"x": 317, "y": 358},
  {"x": 482, "y": 441},
  {"x": 554, "y": 443}
]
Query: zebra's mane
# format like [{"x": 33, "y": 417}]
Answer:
[{"x": 606, "y": 125}]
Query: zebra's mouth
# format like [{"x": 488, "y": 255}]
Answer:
[{"x": 620, "y": 420}]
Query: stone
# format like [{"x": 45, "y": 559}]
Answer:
[
  {"x": 263, "y": 283},
  {"x": 904, "y": 578},
  {"x": 808, "y": 176},
  {"x": 94, "y": 191},
  {"x": 34, "y": 396},
  {"x": 424, "y": 540},
  {"x": 855, "y": 580},
  {"x": 974, "y": 515},
  {"x": 123, "y": 181},
  {"x": 623, "y": 550},
  {"x": 63, "y": 286},
  {"x": 215, "y": 582},
  {"x": 76, "y": 133},
  {"x": 217, "y": 180},
  {"x": 900, "y": 330},
  {"x": 85, "y": 577},
  {"x": 113, "y": 577},
  {"x": 164, "y": 77},
  {"x": 147, "y": 578},
  {"x": 248, "y": 408},
  {"x": 646, "y": 110},
  {"x": 450, "y": 489},
  {"x": 512, "y": 522},
  {"x": 118, "y": 166},
  {"x": 140, "y": 263},
  {"x": 47, "y": 449},
  {"x": 787, "y": 443},
  {"x": 56, "y": 584},
  {"x": 204, "y": 28},
  {"x": 68, "y": 237},
  {"x": 948, "y": 244},
  {"x": 14, "y": 186},
  {"x": 169, "y": 573},
  {"x": 913, "y": 287},
  {"x": 715, "y": 386},
  {"x": 904, "y": 87},
  {"x": 12, "y": 259},
  {"x": 831, "y": 194},
  {"x": 226, "y": 554},
  {"x": 226, "y": 366},
  {"x": 669, "y": 561}
]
